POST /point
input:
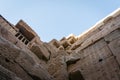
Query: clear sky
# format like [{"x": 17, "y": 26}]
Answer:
[{"x": 57, "y": 18}]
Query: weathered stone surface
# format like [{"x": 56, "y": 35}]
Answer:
[
  {"x": 51, "y": 50},
  {"x": 82, "y": 38},
  {"x": 4, "y": 23},
  {"x": 112, "y": 36},
  {"x": 7, "y": 75},
  {"x": 106, "y": 29},
  {"x": 7, "y": 35},
  {"x": 94, "y": 55},
  {"x": 57, "y": 66},
  {"x": 33, "y": 68},
  {"x": 107, "y": 70},
  {"x": 71, "y": 39},
  {"x": 115, "y": 48},
  {"x": 75, "y": 75},
  {"x": 24, "y": 65},
  {"x": 54, "y": 43},
  {"x": 8, "y": 53},
  {"x": 72, "y": 59},
  {"x": 40, "y": 51}
]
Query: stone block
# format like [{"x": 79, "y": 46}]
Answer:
[
  {"x": 65, "y": 43},
  {"x": 8, "y": 53},
  {"x": 54, "y": 43},
  {"x": 23, "y": 63},
  {"x": 61, "y": 74},
  {"x": 57, "y": 66},
  {"x": 108, "y": 69},
  {"x": 7, "y": 35},
  {"x": 112, "y": 36},
  {"x": 33, "y": 68},
  {"x": 51, "y": 50},
  {"x": 115, "y": 48},
  {"x": 41, "y": 51},
  {"x": 96, "y": 52},
  {"x": 5, "y": 74},
  {"x": 108, "y": 28},
  {"x": 92, "y": 55},
  {"x": 61, "y": 48}
]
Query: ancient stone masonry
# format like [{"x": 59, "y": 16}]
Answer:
[{"x": 93, "y": 55}]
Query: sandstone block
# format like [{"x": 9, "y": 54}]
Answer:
[
  {"x": 57, "y": 66},
  {"x": 5, "y": 74},
  {"x": 115, "y": 48},
  {"x": 52, "y": 51},
  {"x": 40, "y": 51},
  {"x": 112, "y": 36},
  {"x": 7, "y": 35},
  {"x": 8, "y": 54},
  {"x": 23, "y": 63},
  {"x": 32, "y": 67}
]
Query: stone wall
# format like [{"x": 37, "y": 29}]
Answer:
[
  {"x": 98, "y": 52},
  {"x": 20, "y": 62},
  {"x": 93, "y": 55}
]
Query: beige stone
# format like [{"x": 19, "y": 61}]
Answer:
[
  {"x": 40, "y": 51},
  {"x": 93, "y": 55},
  {"x": 21, "y": 63},
  {"x": 7, "y": 75}
]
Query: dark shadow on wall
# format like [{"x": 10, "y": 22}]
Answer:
[{"x": 76, "y": 75}]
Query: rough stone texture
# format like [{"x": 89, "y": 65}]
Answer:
[
  {"x": 114, "y": 43},
  {"x": 98, "y": 53},
  {"x": 93, "y": 55},
  {"x": 7, "y": 75},
  {"x": 40, "y": 51},
  {"x": 24, "y": 64},
  {"x": 57, "y": 66}
]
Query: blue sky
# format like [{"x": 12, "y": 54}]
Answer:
[{"x": 57, "y": 18}]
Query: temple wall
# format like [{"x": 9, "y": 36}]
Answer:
[
  {"x": 93, "y": 55},
  {"x": 98, "y": 53}
]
